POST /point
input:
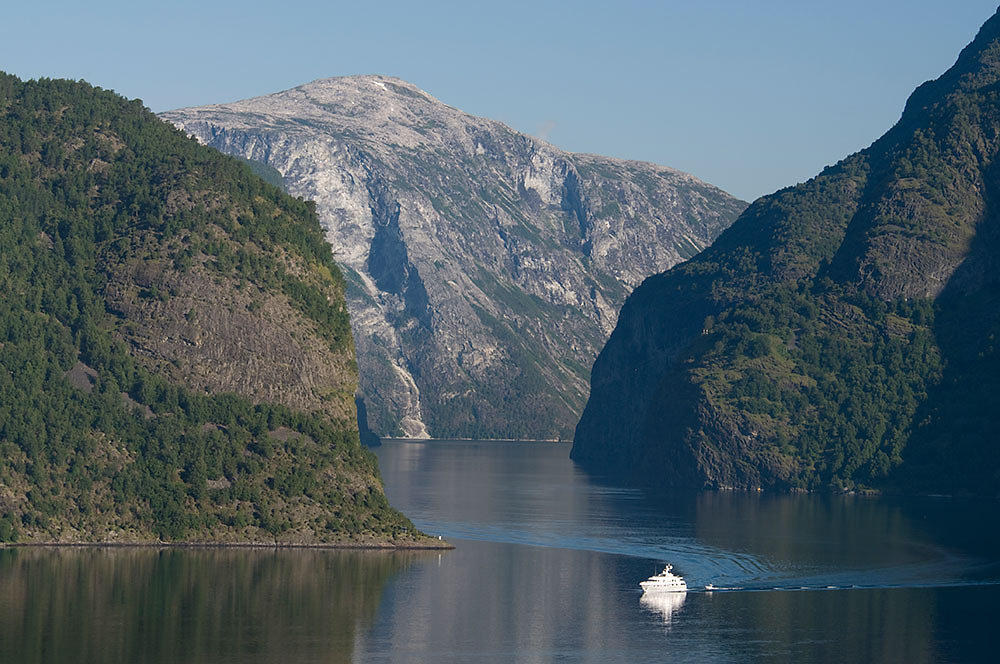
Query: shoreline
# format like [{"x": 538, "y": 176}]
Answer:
[
  {"x": 551, "y": 441},
  {"x": 438, "y": 545}
]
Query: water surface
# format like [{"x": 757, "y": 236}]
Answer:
[
  {"x": 549, "y": 559},
  {"x": 546, "y": 568},
  {"x": 188, "y": 605}
]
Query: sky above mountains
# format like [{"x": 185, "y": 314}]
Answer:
[{"x": 751, "y": 97}]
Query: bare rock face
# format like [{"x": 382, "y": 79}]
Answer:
[
  {"x": 485, "y": 267},
  {"x": 216, "y": 336}
]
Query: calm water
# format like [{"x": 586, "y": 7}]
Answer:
[{"x": 546, "y": 569}]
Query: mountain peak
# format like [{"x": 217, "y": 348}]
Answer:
[
  {"x": 485, "y": 266},
  {"x": 383, "y": 110},
  {"x": 372, "y": 86},
  {"x": 977, "y": 67}
]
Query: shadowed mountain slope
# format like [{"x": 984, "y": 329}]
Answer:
[{"x": 841, "y": 333}]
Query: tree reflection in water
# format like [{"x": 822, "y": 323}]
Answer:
[{"x": 180, "y": 605}]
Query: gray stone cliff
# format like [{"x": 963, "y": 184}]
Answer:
[{"x": 485, "y": 267}]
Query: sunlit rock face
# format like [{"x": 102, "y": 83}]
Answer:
[{"x": 486, "y": 267}]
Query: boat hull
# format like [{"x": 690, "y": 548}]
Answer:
[{"x": 656, "y": 588}]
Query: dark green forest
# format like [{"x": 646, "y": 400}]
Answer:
[
  {"x": 840, "y": 335},
  {"x": 95, "y": 444}
]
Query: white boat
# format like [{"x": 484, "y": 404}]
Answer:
[
  {"x": 710, "y": 587},
  {"x": 664, "y": 582}
]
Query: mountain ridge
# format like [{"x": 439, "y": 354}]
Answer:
[
  {"x": 484, "y": 266},
  {"x": 811, "y": 345}
]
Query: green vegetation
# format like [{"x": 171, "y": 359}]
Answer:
[
  {"x": 831, "y": 379},
  {"x": 840, "y": 334},
  {"x": 94, "y": 443},
  {"x": 266, "y": 173}
]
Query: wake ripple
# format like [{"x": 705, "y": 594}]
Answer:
[{"x": 733, "y": 571}]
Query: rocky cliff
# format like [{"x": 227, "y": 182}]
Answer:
[
  {"x": 485, "y": 267},
  {"x": 840, "y": 333}
]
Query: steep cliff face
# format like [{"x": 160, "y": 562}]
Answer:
[
  {"x": 176, "y": 361},
  {"x": 827, "y": 339},
  {"x": 485, "y": 267}
]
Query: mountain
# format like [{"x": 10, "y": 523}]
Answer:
[
  {"x": 176, "y": 361},
  {"x": 840, "y": 334},
  {"x": 485, "y": 268}
]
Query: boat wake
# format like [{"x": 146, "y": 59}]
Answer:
[
  {"x": 532, "y": 496},
  {"x": 732, "y": 571}
]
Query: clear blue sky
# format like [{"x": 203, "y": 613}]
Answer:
[{"x": 750, "y": 96}]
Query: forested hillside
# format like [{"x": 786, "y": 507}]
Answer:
[
  {"x": 841, "y": 333},
  {"x": 176, "y": 360}
]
